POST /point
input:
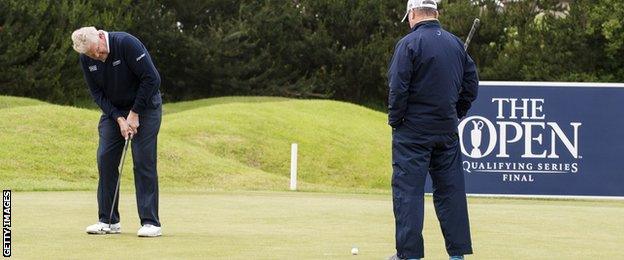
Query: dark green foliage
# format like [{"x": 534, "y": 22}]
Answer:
[
  {"x": 335, "y": 49},
  {"x": 544, "y": 41},
  {"x": 36, "y": 57}
]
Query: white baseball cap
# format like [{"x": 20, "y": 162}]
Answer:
[{"x": 411, "y": 4}]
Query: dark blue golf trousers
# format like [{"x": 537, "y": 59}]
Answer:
[
  {"x": 144, "y": 160},
  {"x": 413, "y": 156}
]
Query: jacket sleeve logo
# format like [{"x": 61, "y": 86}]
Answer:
[{"x": 140, "y": 57}]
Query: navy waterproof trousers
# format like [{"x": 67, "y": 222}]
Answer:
[
  {"x": 144, "y": 160},
  {"x": 414, "y": 155}
]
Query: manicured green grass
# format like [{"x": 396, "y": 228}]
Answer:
[
  {"x": 211, "y": 150},
  {"x": 294, "y": 225},
  {"x": 231, "y": 143},
  {"x": 176, "y": 107}
]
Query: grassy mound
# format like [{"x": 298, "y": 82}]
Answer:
[
  {"x": 9, "y": 102},
  {"x": 233, "y": 143}
]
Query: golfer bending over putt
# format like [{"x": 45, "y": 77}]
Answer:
[{"x": 124, "y": 83}]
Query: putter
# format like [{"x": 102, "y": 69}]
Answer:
[
  {"x": 475, "y": 26},
  {"x": 121, "y": 163}
]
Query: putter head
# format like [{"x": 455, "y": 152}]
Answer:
[{"x": 106, "y": 229}]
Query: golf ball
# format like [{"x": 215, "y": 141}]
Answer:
[{"x": 355, "y": 251}]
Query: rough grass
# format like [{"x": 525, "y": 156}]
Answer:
[{"x": 233, "y": 143}]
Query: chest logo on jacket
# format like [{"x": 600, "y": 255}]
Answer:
[
  {"x": 92, "y": 68},
  {"x": 117, "y": 62}
]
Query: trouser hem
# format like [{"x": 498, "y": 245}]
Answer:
[{"x": 465, "y": 251}]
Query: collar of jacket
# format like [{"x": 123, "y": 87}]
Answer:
[{"x": 434, "y": 23}]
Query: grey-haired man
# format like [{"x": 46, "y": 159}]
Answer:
[{"x": 124, "y": 83}]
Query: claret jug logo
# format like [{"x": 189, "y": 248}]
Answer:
[{"x": 520, "y": 143}]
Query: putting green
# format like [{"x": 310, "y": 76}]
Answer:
[{"x": 285, "y": 225}]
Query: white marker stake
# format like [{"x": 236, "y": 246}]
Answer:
[{"x": 293, "y": 167}]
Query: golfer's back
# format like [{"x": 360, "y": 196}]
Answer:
[{"x": 439, "y": 65}]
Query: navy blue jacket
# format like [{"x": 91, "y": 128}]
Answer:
[
  {"x": 127, "y": 80},
  {"x": 432, "y": 80}
]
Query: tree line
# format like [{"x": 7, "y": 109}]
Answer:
[{"x": 337, "y": 49}]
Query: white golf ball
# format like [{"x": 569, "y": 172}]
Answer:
[{"x": 355, "y": 251}]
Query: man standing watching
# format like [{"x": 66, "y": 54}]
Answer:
[
  {"x": 125, "y": 84},
  {"x": 432, "y": 84}
]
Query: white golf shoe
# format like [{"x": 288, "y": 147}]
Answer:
[
  {"x": 149, "y": 230},
  {"x": 103, "y": 228}
]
